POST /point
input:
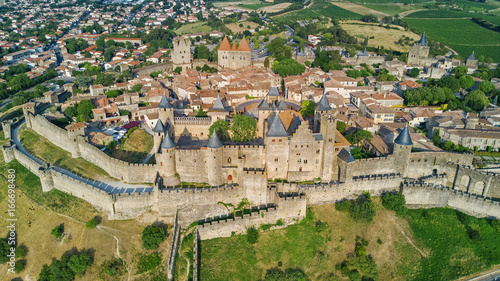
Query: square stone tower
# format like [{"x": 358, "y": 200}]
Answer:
[
  {"x": 419, "y": 52},
  {"x": 181, "y": 55},
  {"x": 234, "y": 57}
]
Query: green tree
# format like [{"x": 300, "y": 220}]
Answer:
[
  {"x": 152, "y": 236},
  {"x": 178, "y": 70},
  {"x": 85, "y": 107},
  {"x": 403, "y": 57},
  {"x": 278, "y": 48},
  {"x": 290, "y": 274},
  {"x": 201, "y": 113},
  {"x": 436, "y": 138},
  {"x": 252, "y": 235},
  {"x": 57, "y": 231},
  {"x": 137, "y": 88},
  {"x": 414, "y": 72},
  {"x": 83, "y": 81},
  {"x": 266, "y": 62},
  {"x": 307, "y": 108},
  {"x": 79, "y": 263},
  {"x": 486, "y": 86},
  {"x": 221, "y": 127},
  {"x": 243, "y": 128},
  {"x": 286, "y": 67},
  {"x": 395, "y": 202},
  {"x": 460, "y": 71},
  {"x": 466, "y": 81},
  {"x": 91, "y": 224},
  {"x": 476, "y": 100},
  {"x": 201, "y": 52},
  {"x": 341, "y": 127}
]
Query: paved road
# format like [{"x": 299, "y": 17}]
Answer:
[
  {"x": 109, "y": 186},
  {"x": 290, "y": 32},
  {"x": 492, "y": 276}
]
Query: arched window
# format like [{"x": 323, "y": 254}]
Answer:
[{"x": 229, "y": 160}]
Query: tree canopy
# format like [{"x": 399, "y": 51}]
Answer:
[
  {"x": 221, "y": 127},
  {"x": 286, "y": 67},
  {"x": 152, "y": 236},
  {"x": 243, "y": 128},
  {"x": 476, "y": 100}
]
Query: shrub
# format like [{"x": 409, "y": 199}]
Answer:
[
  {"x": 343, "y": 205},
  {"x": 91, "y": 224},
  {"x": 395, "y": 202},
  {"x": 112, "y": 267},
  {"x": 152, "y": 236},
  {"x": 320, "y": 226},
  {"x": 148, "y": 262},
  {"x": 57, "y": 231},
  {"x": 252, "y": 235}
]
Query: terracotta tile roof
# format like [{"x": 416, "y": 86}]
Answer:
[
  {"x": 234, "y": 48},
  {"x": 244, "y": 46},
  {"x": 225, "y": 46},
  {"x": 75, "y": 126}
]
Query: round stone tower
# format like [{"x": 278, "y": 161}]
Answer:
[
  {"x": 166, "y": 114},
  {"x": 167, "y": 162},
  {"x": 214, "y": 161},
  {"x": 402, "y": 151},
  {"x": 159, "y": 134}
]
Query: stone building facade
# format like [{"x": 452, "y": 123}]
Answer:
[{"x": 234, "y": 57}]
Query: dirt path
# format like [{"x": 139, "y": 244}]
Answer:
[
  {"x": 99, "y": 227},
  {"x": 404, "y": 14},
  {"x": 187, "y": 271},
  {"x": 411, "y": 242}
]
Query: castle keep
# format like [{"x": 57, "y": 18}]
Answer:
[{"x": 234, "y": 56}]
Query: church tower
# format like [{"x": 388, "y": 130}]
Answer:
[{"x": 419, "y": 52}]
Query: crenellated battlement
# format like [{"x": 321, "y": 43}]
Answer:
[
  {"x": 199, "y": 190},
  {"x": 192, "y": 120},
  {"x": 377, "y": 177}
]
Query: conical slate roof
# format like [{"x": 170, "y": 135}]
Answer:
[
  {"x": 225, "y": 46},
  {"x": 243, "y": 47},
  {"x": 346, "y": 156},
  {"x": 472, "y": 57},
  {"x": 264, "y": 105},
  {"x": 423, "y": 41},
  {"x": 164, "y": 103},
  {"x": 323, "y": 104},
  {"x": 404, "y": 137},
  {"x": 218, "y": 106},
  {"x": 214, "y": 141},
  {"x": 364, "y": 53},
  {"x": 167, "y": 142},
  {"x": 274, "y": 92},
  {"x": 273, "y": 106},
  {"x": 282, "y": 105},
  {"x": 159, "y": 128},
  {"x": 277, "y": 129}
]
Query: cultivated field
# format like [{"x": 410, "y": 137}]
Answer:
[
  {"x": 235, "y": 27},
  {"x": 236, "y": 3},
  {"x": 392, "y": 9},
  {"x": 275, "y": 8},
  {"x": 321, "y": 9},
  {"x": 383, "y": 37},
  {"x": 362, "y": 10},
  {"x": 462, "y": 35},
  {"x": 193, "y": 28},
  {"x": 255, "y": 6}
]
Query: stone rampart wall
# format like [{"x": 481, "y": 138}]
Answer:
[
  {"x": 78, "y": 146},
  {"x": 427, "y": 196},
  {"x": 296, "y": 210},
  {"x": 192, "y": 165}
]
